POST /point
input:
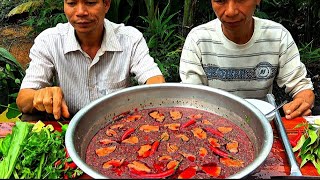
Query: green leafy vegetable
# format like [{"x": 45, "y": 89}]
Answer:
[
  {"x": 41, "y": 154},
  {"x": 309, "y": 146},
  {"x": 19, "y": 132},
  {"x": 5, "y": 145}
]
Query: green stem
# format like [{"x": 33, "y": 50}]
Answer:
[
  {"x": 40, "y": 166},
  {"x": 9, "y": 107},
  {"x": 15, "y": 175}
]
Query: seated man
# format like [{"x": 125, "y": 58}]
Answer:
[
  {"x": 89, "y": 57},
  {"x": 243, "y": 55}
]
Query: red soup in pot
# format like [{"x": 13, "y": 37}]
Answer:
[{"x": 170, "y": 143}]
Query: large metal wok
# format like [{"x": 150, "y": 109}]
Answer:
[{"x": 89, "y": 120}]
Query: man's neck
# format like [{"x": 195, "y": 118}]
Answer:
[
  {"x": 240, "y": 37},
  {"x": 90, "y": 42}
]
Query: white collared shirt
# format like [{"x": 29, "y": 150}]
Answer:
[{"x": 57, "y": 53}]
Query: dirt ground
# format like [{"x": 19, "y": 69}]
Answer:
[{"x": 15, "y": 39}]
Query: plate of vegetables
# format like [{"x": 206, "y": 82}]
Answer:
[{"x": 36, "y": 151}]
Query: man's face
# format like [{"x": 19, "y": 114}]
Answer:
[
  {"x": 86, "y": 15},
  {"x": 235, "y": 15}
]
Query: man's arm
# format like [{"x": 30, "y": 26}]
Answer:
[
  {"x": 156, "y": 80},
  {"x": 49, "y": 99},
  {"x": 292, "y": 74},
  {"x": 190, "y": 68},
  {"x": 301, "y": 104}
]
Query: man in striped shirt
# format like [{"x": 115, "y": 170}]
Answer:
[
  {"x": 243, "y": 54},
  {"x": 89, "y": 57}
]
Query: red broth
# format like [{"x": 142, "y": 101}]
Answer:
[{"x": 189, "y": 148}]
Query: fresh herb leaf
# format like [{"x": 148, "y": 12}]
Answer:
[
  {"x": 313, "y": 135},
  {"x": 299, "y": 145},
  {"x": 305, "y": 159},
  {"x": 309, "y": 146}
]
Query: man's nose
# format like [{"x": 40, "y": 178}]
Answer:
[
  {"x": 82, "y": 10},
  {"x": 231, "y": 9}
]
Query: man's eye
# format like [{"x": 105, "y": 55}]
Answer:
[
  {"x": 91, "y": 3},
  {"x": 71, "y": 3},
  {"x": 241, "y": 1},
  {"x": 219, "y": 1}
]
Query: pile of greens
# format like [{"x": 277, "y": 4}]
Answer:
[
  {"x": 35, "y": 151},
  {"x": 309, "y": 145}
]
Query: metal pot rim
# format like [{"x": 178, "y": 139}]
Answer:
[{"x": 265, "y": 149}]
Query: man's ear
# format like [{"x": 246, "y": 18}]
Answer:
[{"x": 107, "y": 4}]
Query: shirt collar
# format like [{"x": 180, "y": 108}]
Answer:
[
  {"x": 71, "y": 43},
  {"x": 110, "y": 41}
]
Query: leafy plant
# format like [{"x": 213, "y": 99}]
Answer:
[
  {"x": 6, "y": 6},
  {"x": 309, "y": 145},
  {"x": 309, "y": 54},
  {"x": 150, "y": 8},
  {"x": 163, "y": 41},
  {"x": 120, "y": 11},
  {"x": 25, "y": 7},
  {"x": 42, "y": 13},
  {"x": 188, "y": 15},
  {"x": 11, "y": 75},
  {"x": 303, "y": 19}
]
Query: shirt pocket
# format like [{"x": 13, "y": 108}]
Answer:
[{"x": 108, "y": 87}]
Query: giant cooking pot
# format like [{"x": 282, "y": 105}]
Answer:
[{"x": 89, "y": 120}]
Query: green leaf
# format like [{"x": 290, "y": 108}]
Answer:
[
  {"x": 8, "y": 67},
  {"x": 307, "y": 158},
  {"x": 9, "y": 58},
  {"x": 317, "y": 152},
  {"x": 305, "y": 146},
  {"x": 13, "y": 111},
  {"x": 5, "y": 145},
  {"x": 17, "y": 81},
  {"x": 316, "y": 165},
  {"x": 313, "y": 135},
  {"x": 313, "y": 128},
  {"x": 299, "y": 144},
  {"x": 25, "y": 7}
]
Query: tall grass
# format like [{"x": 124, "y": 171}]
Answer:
[{"x": 164, "y": 42}]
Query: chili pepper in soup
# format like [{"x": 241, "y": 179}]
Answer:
[{"x": 170, "y": 142}]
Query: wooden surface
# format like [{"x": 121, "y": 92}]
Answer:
[{"x": 276, "y": 163}]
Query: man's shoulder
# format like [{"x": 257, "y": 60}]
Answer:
[
  {"x": 267, "y": 23},
  {"x": 59, "y": 30},
  {"x": 124, "y": 30},
  {"x": 209, "y": 26},
  {"x": 205, "y": 31}
]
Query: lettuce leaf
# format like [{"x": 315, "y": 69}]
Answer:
[
  {"x": 5, "y": 144},
  {"x": 19, "y": 133}
]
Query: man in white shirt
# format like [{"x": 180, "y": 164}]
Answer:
[
  {"x": 243, "y": 55},
  {"x": 89, "y": 57}
]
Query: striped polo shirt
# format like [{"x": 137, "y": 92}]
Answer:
[
  {"x": 57, "y": 56},
  {"x": 247, "y": 70}
]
